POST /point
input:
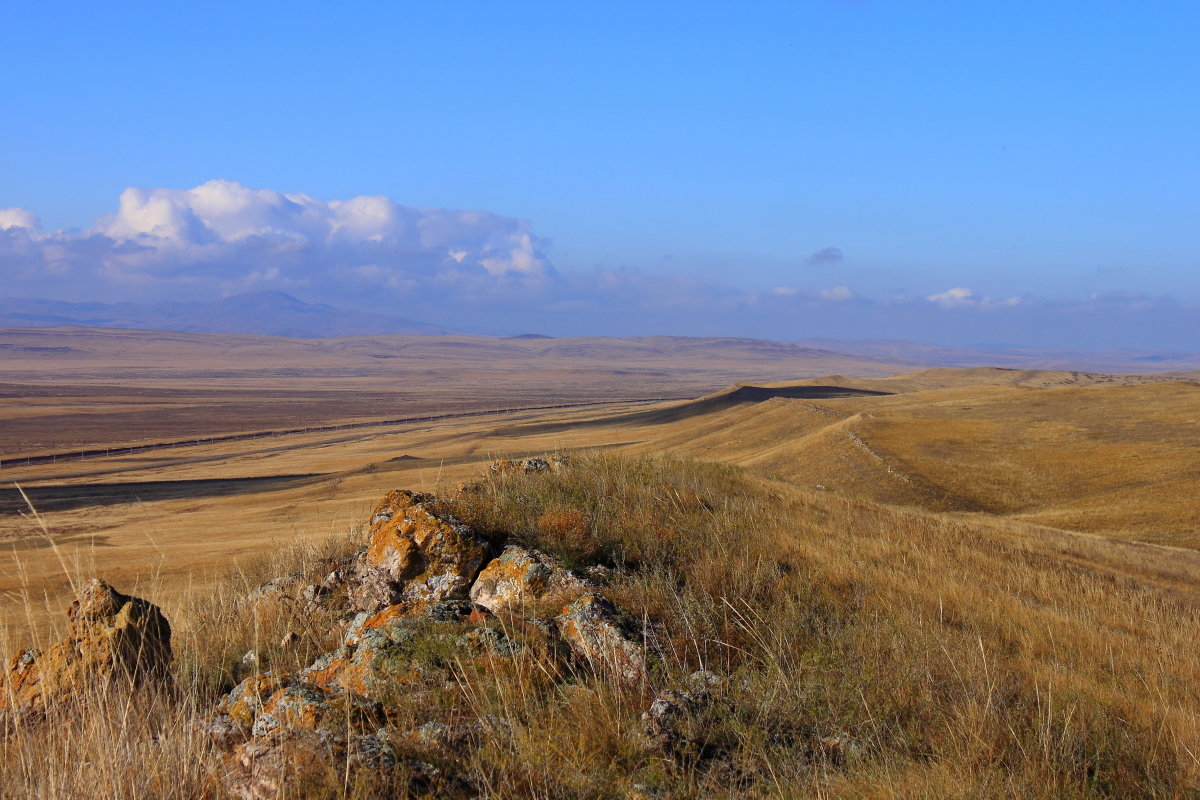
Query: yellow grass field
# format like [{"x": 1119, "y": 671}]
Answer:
[
  {"x": 989, "y": 579},
  {"x": 1114, "y": 456}
]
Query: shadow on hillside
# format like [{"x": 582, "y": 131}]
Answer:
[
  {"x": 739, "y": 395},
  {"x": 68, "y": 497}
]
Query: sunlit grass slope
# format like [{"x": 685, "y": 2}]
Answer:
[
  {"x": 1116, "y": 458},
  {"x": 865, "y": 651}
]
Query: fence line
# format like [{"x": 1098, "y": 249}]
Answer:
[{"x": 109, "y": 452}]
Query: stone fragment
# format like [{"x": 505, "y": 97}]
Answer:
[
  {"x": 243, "y": 703},
  {"x": 113, "y": 641},
  {"x": 662, "y": 721},
  {"x": 417, "y": 556},
  {"x": 590, "y": 627},
  {"x": 284, "y": 589},
  {"x": 316, "y": 763},
  {"x": 703, "y": 681},
  {"x": 506, "y": 465},
  {"x": 519, "y": 577}
]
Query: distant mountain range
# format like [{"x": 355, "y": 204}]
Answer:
[
  {"x": 266, "y": 313},
  {"x": 906, "y": 352},
  {"x": 281, "y": 315}
]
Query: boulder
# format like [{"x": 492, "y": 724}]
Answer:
[
  {"x": 317, "y": 763},
  {"x": 417, "y": 556},
  {"x": 267, "y": 703},
  {"x": 390, "y": 653},
  {"x": 395, "y": 502},
  {"x": 591, "y": 628},
  {"x": 246, "y": 699},
  {"x": 113, "y": 641},
  {"x": 519, "y": 577},
  {"x": 506, "y": 465}
]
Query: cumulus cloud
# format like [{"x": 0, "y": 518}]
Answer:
[
  {"x": 837, "y": 294},
  {"x": 825, "y": 256},
  {"x": 223, "y": 236},
  {"x": 18, "y": 218},
  {"x": 960, "y": 296}
]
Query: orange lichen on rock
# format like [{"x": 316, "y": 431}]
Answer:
[
  {"x": 416, "y": 555},
  {"x": 113, "y": 640},
  {"x": 248, "y": 697},
  {"x": 589, "y": 625},
  {"x": 520, "y": 576}
]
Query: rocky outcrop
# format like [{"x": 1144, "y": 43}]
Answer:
[
  {"x": 113, "y": 641},
  {"x": 519, "y": 577},
  {"x": 322, "y": 762},
  {"x": 555, "y": 463},
  {"x": 279, "y": 729},
  {"x": 417, "y": 556},
  {"x": 393, "y": 652},
  {"x": 591, "y": 628},
  {"x": 434, "y": 608}
]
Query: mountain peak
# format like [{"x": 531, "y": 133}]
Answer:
[{"x": 269, "y": 313}]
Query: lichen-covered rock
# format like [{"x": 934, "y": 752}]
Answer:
[
  {"x": 395, "y": 502},
  {"x": 591, "y": 628},
  {"x": 283, "y": 588},
  {"x": 315, "y": 763},
  {"x": 19, "y": 685},
  {"x": 519, "y": 577},
  {"x": 266, "y": 703},
  {"x": 390, "y": 654},
  {"x": 113, "y": 641},
  {"x": 505, "y": 465},
  {"x": 243, "y": 703},
  {"x": 417, "y": 556},
  {"x": 291, "y": 707}
]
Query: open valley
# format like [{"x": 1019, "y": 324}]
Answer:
[{"x": 1114, "y": 456}]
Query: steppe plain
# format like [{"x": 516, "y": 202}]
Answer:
[
  {"x": 969, "y": 582},
  {"x": 1044, "y": 452}
]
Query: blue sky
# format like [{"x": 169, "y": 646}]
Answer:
[{"x": 645, "y": 168}]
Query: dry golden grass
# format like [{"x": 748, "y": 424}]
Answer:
[
  {"x": 928, "y": 607},
  {"x": 1105, "y": 457},
  {"x": 1108, "y": 456},
  {"x": 75, "y": 389},
  {"x": 946, "y": 657}
]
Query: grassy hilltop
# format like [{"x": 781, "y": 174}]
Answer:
[{"x": 861, "y": 651}]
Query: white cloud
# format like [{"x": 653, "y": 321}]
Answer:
[
  {"x": 224, "y": 236},
  {"x": 959, "y": 296},
  {"x": 18, "y": 218},
  {"x": 837, "y": 294},
  {"x": 1008, "y": 302}
]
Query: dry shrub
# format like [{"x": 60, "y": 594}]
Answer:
[{"x": 571, "y": 530}]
